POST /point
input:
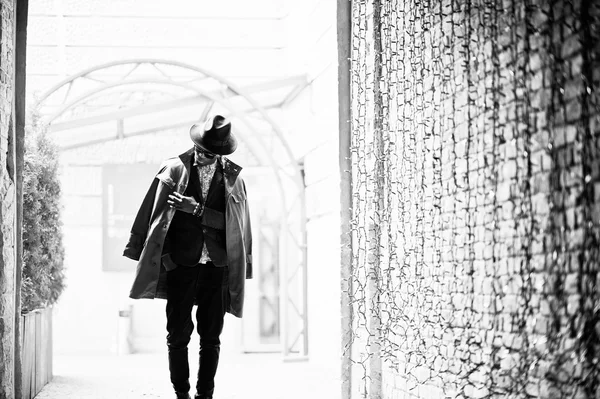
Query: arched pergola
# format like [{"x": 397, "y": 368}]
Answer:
[{"x": 129, "y": 98}]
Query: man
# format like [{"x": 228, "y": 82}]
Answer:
[{"x": 192, "y": 240}]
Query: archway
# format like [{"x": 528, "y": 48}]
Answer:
[{"x": 126, "y": 99}]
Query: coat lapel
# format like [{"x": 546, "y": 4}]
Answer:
[
  {"x": 230, "y": 174},
  {"x": 186, "y": 158},
  {"x": 195, "y": 181},
  {"x": 230, "y": 170},
  {"x": 216, "y": 180}
]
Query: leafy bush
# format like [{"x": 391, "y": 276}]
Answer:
[{"x": 43, "y": 252}]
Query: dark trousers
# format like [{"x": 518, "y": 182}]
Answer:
[{"x": 206, "y": 285}]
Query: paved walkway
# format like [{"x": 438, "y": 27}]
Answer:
[{"x": 145, "y": 376}]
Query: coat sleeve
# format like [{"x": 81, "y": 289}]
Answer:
[
  {"x": 141, "y": 224},
  {"x": 248, "y": 239}
]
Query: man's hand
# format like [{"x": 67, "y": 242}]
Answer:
[{"x": 182, "y": 203}]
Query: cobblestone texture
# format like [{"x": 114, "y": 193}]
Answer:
[{"x": 476, "y": 208}]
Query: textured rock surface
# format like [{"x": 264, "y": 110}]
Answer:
[
  {"x": 7, "y": 201},
  {"x": 476, "y": 170}
]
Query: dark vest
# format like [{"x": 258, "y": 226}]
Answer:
[{"x": 188, "y": 233}]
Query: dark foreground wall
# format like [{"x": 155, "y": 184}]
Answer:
[
  {"x": 476, "y": 199},
  {"x": 13, "y": 24},
  {"x": 7, "y": 200}
]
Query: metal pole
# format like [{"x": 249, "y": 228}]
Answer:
[{"x": 20, "y": 111}]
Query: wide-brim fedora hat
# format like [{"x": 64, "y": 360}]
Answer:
[{"x": 214, "y": 135}]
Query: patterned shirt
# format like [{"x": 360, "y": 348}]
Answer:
[{"x": 205, "y": 174}]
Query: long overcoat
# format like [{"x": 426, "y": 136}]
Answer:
[{"x": 155, "y": 215}]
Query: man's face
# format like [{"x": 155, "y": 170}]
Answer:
[{"x": 204, "y": 157}]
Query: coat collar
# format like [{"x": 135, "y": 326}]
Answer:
[{"x": 230, "y": 169}]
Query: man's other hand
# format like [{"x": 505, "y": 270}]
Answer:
[{"x": 182, "y": 203}]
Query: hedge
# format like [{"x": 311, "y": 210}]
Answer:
[{"x": 43, "y": 251}]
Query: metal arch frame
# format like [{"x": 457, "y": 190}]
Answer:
[
  {"x": 136, "y": 62},
  {"x": 288, "y": 277},
  {"x": 109, "y": 86}
]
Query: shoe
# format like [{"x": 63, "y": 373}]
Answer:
[
  {"x": 205, "y": 396},
  {"x": 183, "y": 395}
]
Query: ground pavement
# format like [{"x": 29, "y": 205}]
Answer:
[{"x": 145, "y": 376}]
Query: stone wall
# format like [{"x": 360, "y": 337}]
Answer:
[
  {"x": 476, "y": 199},
  {"x": 7, "y": 200}
]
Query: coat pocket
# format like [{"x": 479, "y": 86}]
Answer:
[{"x": 238, "y": 197}]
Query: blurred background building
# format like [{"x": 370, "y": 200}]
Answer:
[{"x": 120, "y": 83}]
